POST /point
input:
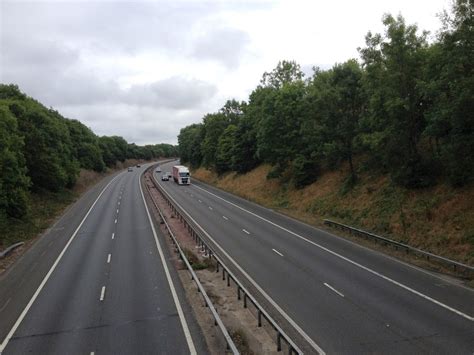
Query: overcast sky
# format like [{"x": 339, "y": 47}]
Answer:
[{"x": 145, "y": 69}]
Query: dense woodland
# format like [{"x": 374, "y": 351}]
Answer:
[
  {"x": 405, "y": 108},
  {"x": 40, "y": 150}
]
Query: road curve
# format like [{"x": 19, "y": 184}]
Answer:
[
  {"x": 345, "y": 297},
  {"x": 102, "y": 285}
]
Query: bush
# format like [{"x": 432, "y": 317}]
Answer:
[{"x": 304, "y": 171}]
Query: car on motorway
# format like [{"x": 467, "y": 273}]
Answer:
[
  {"x": 138, "y": 165},
  {"x": 165, "y": 177},
  {"x": 158, "y": 170},
  {"x": 130, "y": 169}
]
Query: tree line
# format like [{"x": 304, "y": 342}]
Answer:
[
  {"x": 42, "y": 150},
  {"x": 406, "y": 109}
]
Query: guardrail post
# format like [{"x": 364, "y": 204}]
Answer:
[
  {"x": 228, "y": 280},
  {"x": 223, "y": 274},
  {"x": 259, "y": 318},
  {"x": 238, "y": 293},
  {"x": 278, "y": 341},
  {"x": 245, "y": 300}
]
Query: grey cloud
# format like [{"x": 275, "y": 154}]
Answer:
[
  {"x": 104, "y": 26},
  {"x": 225, "y": 45},
  {"x": 174, "y": 92},
  {"x": 50, "y": 50}
]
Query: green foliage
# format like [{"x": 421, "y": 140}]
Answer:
[
  {"x": 286, "y": 72},
  {"x": 48, "y": 148},
  {"x": 86, "y": 147},
  {"x": 278, "y": 134},
  {"x": 189, "y": 141},
  {"x": 225, "y": 150},
  {"x": 304, "y": 171},
  {"x": 41, "y": 153},
  {"x": 451, "y": 89},
  {"x": 406, "y": 110},
  {"x": 14, "y": 182},
  {"x": 394, "y": 65}
]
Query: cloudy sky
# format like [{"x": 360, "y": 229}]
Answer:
[{"x": 145, "y": 69}]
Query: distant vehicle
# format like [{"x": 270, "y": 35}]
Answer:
[
  {"x": 138, "y": 165},
  {"x": 130, "y": 169},
  {"x": 158, "y": 170},
  {"x": 181, "y": 175},
  {"x": 165, "y": 177}
]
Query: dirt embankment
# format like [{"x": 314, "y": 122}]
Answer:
[{"x": 438, "y": 219}]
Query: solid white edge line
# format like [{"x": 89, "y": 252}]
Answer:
[
  {"x": 276, "y": 251},
  {"x": 257, "y": 286},
  {"x": 48, "y": 275},
  {"x": 333, "y": 289},
  {"x": 184, "y": 324},
  {"x": 102, "y": 294},
  {"x": 428, "y": 298}
]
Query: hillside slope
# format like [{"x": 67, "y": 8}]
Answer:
[{"x": 438, "y": 219}]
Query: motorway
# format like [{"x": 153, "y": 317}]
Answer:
[
  {"x": 341, "y": 297},
  {"x": 97, "y": 282}
]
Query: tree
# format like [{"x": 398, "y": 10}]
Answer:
[
  {"x": 284, "y": 73},
  {"x": 85, "y": 146},
  {"x": 214, "y": 125},
  {"x": 225, "y": 149},
  {"x": 278, "y": 135},
  {"x": 14, "y": 182},
  {"x": 341, "y": 104},
  {"x": 394, "y": 64},
  {"x": 451, "y": 88},
  {"x": 189, "y": 140}
]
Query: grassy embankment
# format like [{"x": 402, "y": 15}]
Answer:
[
  {"x": 46, "y": 206},
  {"x": 438, "y": 219}
]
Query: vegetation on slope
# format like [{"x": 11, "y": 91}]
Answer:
[
  {"x": 405, "y": 110},
  {"x": 41, "y": 156},
  {"x": 385, "y": 142},
  {"x": 439, "y": 219}
]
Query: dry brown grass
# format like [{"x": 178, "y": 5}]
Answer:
[{"x": 438, "y": 219}]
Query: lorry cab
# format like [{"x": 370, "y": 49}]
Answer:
[{"x": 181, "y": 175}]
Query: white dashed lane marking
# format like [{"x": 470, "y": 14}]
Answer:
[
  {"x": 102, "y": 293},
  {"x": 276, "y": 251},
  {"x": 333, "y": 289}
]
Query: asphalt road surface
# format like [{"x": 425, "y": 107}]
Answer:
[
  {"x": 342, "y": 297},
  {"x": 97, "y": 283}
]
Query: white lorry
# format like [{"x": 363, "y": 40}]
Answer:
[{"x": 181, "y": 175}]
